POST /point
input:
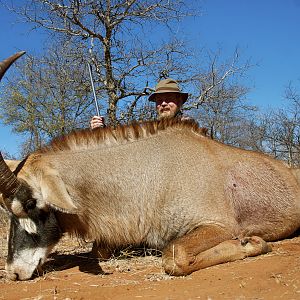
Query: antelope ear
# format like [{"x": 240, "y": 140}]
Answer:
[{"x": 55, "y": 193}]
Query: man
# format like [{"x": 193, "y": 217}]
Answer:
[{"x": 168, "y": 98}]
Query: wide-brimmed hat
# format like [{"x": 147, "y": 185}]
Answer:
[{"x": 168, "y": 85}]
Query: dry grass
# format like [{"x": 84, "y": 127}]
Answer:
[
  {"x": 125, "y": 260},
  {"x": 3, "y": 218},
  {"x": 3, "y": 234}
]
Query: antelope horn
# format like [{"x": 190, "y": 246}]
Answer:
[
  {"x": 5, "y": 64},
  {"x": 9, "y": 182}
]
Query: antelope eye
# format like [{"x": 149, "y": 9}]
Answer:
[{"x": 31, "y": 204}]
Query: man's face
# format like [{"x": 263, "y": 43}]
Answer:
[{"x": 168, "y": 104}]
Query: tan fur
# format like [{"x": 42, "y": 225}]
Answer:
[
  {"x": 54, "y": 191},
  {"x": 166, "y": 185}
]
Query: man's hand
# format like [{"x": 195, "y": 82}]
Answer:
[{"x": 97, "y": 122}]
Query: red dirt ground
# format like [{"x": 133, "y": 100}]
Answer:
[{"x": 72, "y": 275}]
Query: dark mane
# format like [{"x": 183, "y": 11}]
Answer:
[{"x": 100, "y": 137}]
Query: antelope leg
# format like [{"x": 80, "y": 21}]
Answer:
[{"x": 207, "y": 246}]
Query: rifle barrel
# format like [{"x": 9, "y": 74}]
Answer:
[{"x": 92, "y": 83}]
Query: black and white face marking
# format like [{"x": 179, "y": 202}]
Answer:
[{"x": 30, "y": 241}]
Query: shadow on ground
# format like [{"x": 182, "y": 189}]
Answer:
[{"x": 86, "y": 263}]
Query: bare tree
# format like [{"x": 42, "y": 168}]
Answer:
[
  {"x": 123, "y": 51},
  {"x": 220, "y": 99},
  {"x": 282, "y": 138},
  {"x": 48, "y": 96},
  {"x": 128, "y": 49}
]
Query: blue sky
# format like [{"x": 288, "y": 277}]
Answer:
[{"x": 267, "y": 31}]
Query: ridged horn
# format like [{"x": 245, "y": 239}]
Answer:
[
  {"x": 5, "y": 64},
  {"x": 9, "y": 182}
]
